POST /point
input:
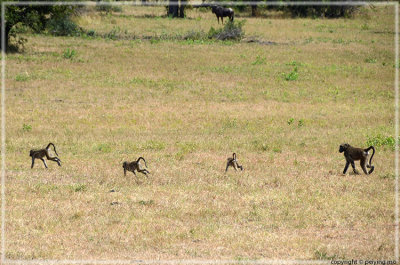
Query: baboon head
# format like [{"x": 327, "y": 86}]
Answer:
[
  {"x": 343, "y": 147},
  {"x": 31, "y": 153}
]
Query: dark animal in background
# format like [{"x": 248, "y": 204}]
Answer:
[
  {"x": 232, "y": 162},
  {"x": 40, "y": 153},
  {"x": 352, "y": 153},
  {"x": 222, "y": 12},
  {"x": 135, "y": 166}
]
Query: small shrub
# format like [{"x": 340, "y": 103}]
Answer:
[
  {"x": 301, "y": 123},
  {"x": 292, "y": 76},
  {"x": 146, "y": 203},
  {"x": 108, "y": 8},
  {"x": 91, "y": 33},
  {"x": 259, "y": 60},
  {"x": 365, "y": 26},
  {"x": 195, "y": 35},
  {"x": 62, "y": 26},
  {"x": 290, "y": 121},
  {"x": 69, "y": 53},
  {"x": 370, "y": 60},
  {"x": 113, "y": 34},
  {"x": 22, "y": 77},
  {"x": 277, "y": 150},
  {"x": 77, "y": 187},
  {"x": 231, "y": 31},
  {"x": 26, "y": 127},
  {"x": 16, "y": 42}
]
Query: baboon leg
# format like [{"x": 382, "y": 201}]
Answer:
[
  {"x": 218, "y": 19},
  {"x": 346, "y": 167},
  {"x": 55, "y": 159},
  {"x": 44, "y": 162},
  {"x": 222, "y": 20},
  {"x": 371, "y": 168},
  {"x": 239, "y": 166},
  {"x": 227, "y": 166},
  {"x": 362, "y": 164},
  {"x": 354, "y": 168},
  {"x": 235, "y": 166},
  {"x": 144, "y": 171},
  {"x": 33, "y": 161},
  {"x": 133, "y": 171}
]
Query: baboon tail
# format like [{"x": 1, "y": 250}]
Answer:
[
  {"x": 373, "y": 152},
  {"x": 54, "y": 147},
  {"x": 137, "y": 161},
  {"x": 234, "y": 156}
]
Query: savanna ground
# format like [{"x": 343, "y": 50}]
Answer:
[{"x": 186, "y": 106}]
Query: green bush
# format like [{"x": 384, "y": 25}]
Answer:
[
  {"x": 62, "y": 26},
  {"x": 382, "y": 141}
]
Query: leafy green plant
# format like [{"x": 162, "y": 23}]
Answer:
[
  {"x": 292, "y": 76},
  {"x": 69, "y": 53},
  {"x": 301, "y": 123},
  {"x": 290, "y": 121},
  {"x": 382, "y": 141},
  {"x": 26, "y": 127}
]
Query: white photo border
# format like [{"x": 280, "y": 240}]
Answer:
[{"x": 3, "y": 259}]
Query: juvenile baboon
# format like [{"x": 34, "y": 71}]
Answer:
[
  {"x": 232, "y": 162},
  {"x": 135, "y": 166},
  {"x": 40, "y": 153},
  {"x": 352, "y": 153}
]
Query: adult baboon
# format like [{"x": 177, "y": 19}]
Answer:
[{"x": 353, "y": 153}]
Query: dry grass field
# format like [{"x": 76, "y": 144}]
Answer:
[{"x": 186, "y": 106}]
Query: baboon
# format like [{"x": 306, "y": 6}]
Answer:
[
  {"x": 233, "y": 163},
  {"x": 352, "y": 153},
  {"x": 40, "y": 153},
  {"x": 222, "y": 12},
  {"x": 135, "y": 166}
]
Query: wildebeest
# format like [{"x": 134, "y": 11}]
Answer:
[{"x": 222, "y": 12}]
